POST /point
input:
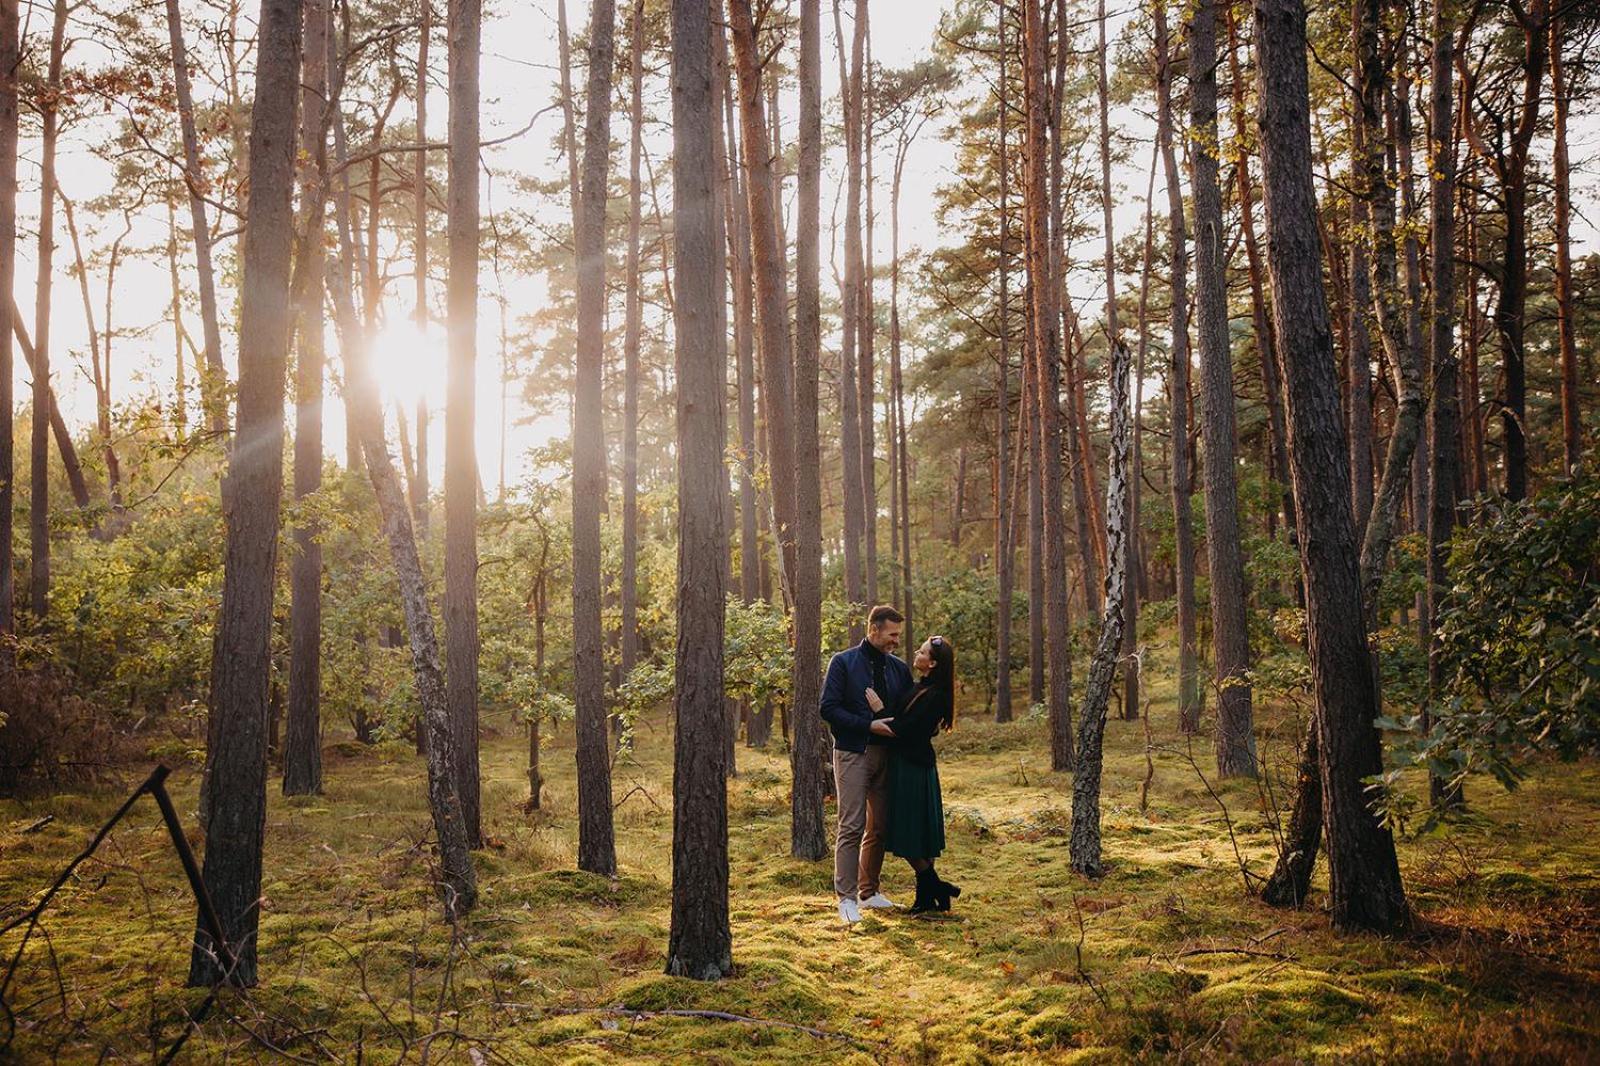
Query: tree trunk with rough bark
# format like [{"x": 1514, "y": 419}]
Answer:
[
  {"x": 850, "y": 413},
  {"x": 779, "y": 376},
  {"x": 1005, "y": 558},
  {"x": 596, "y": 840},
  {"x": 1047, "y": 369},
  {"x": 1571, "y": 441},
  {"x": 235, "y": 789},
  {"x": 808, "y": 839},
  {"x": 701, "y": 942},
  {"x": 1364, "y": 873},
  {"x": 1230, "y": 637},
  {"x": 302, "y": 746},
  {"x": 1178, "y": 391},
  {"x": 419, "y": 206},
  {"x": 10, "y": 56}
]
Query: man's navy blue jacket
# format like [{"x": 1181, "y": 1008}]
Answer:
[{"x": 844, "y": 695}]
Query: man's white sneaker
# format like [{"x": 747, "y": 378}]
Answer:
[
  {"x": 849, "y": 911},
  {"x": 878, "y": 902}
]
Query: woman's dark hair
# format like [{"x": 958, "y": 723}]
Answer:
[{"x": 943, "y": 674}]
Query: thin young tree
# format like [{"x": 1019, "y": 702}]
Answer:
[
  {"x": 1444, "y": 430},
  {"x": 236, "y": 786},
  {"x": 597, "y": 851},
  {"x": 850, "y": 412},
  {"x": 1085, "y": 841},
  {"x": 10, "y": 56},
  {"x": 779, "y": 373},
  {"x": 808, "y": 839},
  {"x": 302, "y": 741},
  {"x": 701, "y": 941},
  {"x": 1047, "y": 368},
  {"x": 1005, "y": 557},
  {"x": 419, "y": 240},
  {"x": 458, "y": 883},
  {"x": 1364, "y": 874},
  {"x": 1566, "y": 333},
  {"x": 213, "y": 379},
  {"x": 633, "y": 328},
  {"x": 1235, "y": 742},
  {"x": 1178, "y": 387},
  {"x": 39, "y": 451}
]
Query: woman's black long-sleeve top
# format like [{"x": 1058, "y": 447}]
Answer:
[{"x": 915, "y": 726}]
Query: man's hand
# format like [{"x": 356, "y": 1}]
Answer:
[
  {"x": 873, "y": 700},
  {"x": 880, "y": 726}
]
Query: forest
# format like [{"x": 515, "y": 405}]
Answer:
[{"x": 525, "y": 532}]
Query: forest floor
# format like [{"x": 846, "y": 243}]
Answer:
[{"x": 1166, "y": 957}]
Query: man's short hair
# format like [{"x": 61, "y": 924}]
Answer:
[{"x": 882, "y": 614}]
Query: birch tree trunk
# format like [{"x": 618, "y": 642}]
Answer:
[
  {"x": 701, "y": 942},
  {"x": 1085, "y": 842},
  {"x": 235, "y": 789}
]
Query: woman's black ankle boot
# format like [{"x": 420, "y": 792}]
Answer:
[
  {"x": 943, "y": 891},
  {"x": 926, "y": 883}
]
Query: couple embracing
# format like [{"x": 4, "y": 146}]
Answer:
[{"x": 884, "y": 771}]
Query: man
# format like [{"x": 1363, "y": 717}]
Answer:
[{"x": 859, "y": 679}]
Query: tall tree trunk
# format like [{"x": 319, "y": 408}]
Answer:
[
  {"x": 180, "y": 385},
  {"x": 1507, "y": 155},
  {"x": 900, "y": 470},
  {"x": 213, "y": 383},
  {"x": 419, "y": 193},
  {"x": 633, "y": 328},
  {"x": 1230, "y": 640},
  {"x": 850, "y": 412},
  {"x": 1358, "y": 370},
  {"x": 1178, "y": 391},
  {"x": 779, "y": 377},
  {"x": 701, "y": 942},
  {"x": 1376, "y": 187},
  {"x": 1364, "y": 873},
  {"x": 99, "y": 350},
  {"x": 1132, "y": 581},
  {"x": 302, "y": 748},
  {"x": 10, "y": 57},
  {"x": 1571, "y": 442},
  {"x": 1033, "y": 429},
  {"x": 1261, "y": 318},
  {"x": 65, "y": 448},
  {"x": 1444, "y": 411},
  {"x": 1085, "y": 842},
  {"x": 39, "y": 490},
  {"x": 1047, "y": 327},
  {"x": 460, "y": 446},
  {"x": 807, "y": 837},
  {"x": 596, "y": 842},
  {"x": 1079, "y": 450},
  {"x": 1003, "y": 555},
  {"x": 458, "y": 885},
  {"x": 867, "y": 317},
  {"x": 236, "y": 741}
]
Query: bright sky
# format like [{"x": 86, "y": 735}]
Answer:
[{"x": 519, "y": 74}]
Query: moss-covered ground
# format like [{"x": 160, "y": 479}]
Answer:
[{"x": 1166, "y": 957}]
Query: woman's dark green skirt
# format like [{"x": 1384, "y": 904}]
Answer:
[{"x": 916, "y": 813}]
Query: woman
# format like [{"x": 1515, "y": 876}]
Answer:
[{"x": 916, "y": 812}]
